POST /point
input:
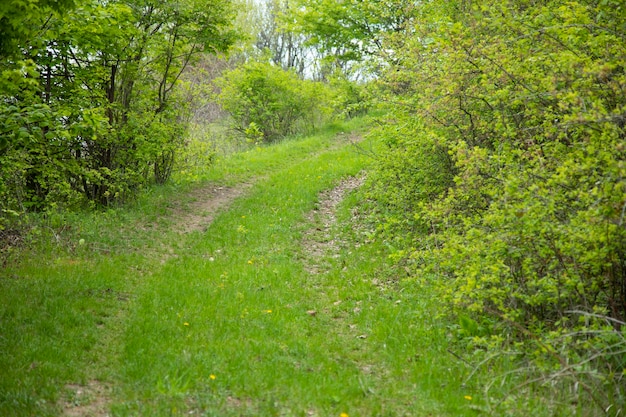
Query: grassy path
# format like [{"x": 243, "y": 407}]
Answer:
[{"x": 250, "y": 312}]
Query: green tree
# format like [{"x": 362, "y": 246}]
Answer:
[
  {"x": 21, "y": 22},
  {"x": 352, "y": 30},
  {"x": 91, "y": 109}
]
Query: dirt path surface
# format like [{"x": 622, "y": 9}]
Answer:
[
  {"x": 206, "y": 202},
  {"x": 194, "y": 212},
  {"x": 320, "y": 242},
  {"x": 89, "y": 400},
  {"x": 93, "y": 398}
]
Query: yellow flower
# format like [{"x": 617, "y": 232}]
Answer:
[
  {"x": 250, "y": 261},
  {"x": 185, "y": 324},
  {"x": 343, "y": 415},
  {"x": 468, "y": 397},
  {"x": 212, "y": 376},
  {"x": 267, "y": 311}
]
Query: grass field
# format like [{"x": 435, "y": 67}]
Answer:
[{"x": 279, "y": 304}]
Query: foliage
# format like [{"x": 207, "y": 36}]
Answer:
[
  {"x": 350, "y": 31},
  {"x": 267, "y": 102},
  {"x": 349, "y": 98},
  {"x": 20, "y": 20},
  {"x": 513, "y": 177},
  {"x": 89, "y": 98}
]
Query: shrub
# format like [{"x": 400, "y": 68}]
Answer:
[
  {"x": 529, "y": 237},
  {"x": 266, "y": 101}
]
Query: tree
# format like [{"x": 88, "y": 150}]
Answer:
[
  {"x": 21, "y": 22},
  {"x": 352, "y": 30},
  {"x": 95, "y": 111}
]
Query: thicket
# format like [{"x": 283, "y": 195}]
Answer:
[
  {"x": 503, "y": 182},
  {"x": 90, "y": 109},
  {"x": 267, "y": 103}
]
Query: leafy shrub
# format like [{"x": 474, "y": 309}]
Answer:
[
  {"x": 350, "y": 99},
  {"x": 411, "y": 170},
  {"x": 266, "y": 101},
  {"x": 528, "y": 237}
]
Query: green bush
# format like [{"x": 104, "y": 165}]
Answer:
[
  {"x": 349, "y": 99},
  {"x": 527, "y": 236},
  {"x": 412, "y": 168},
  {"x": 267, "y": 102}
]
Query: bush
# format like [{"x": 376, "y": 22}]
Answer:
[
  {"x": 267, "y": 102},
  {"x": 350, "y": 99},
  {"x": 89, "y": 114},
  {"x": 528, "y": 238}
]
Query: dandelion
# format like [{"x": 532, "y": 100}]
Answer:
[
  {"x": 212, "y": 376},
  {"x": 468, "y": 397},
  {"x": 185, "y": 324},
  {"x": 267, "y": 311},
  {"x": 250, "y": 262},
  {"x": 343, "y": 415}
]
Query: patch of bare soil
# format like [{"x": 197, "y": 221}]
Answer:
[
  {"x": 206, "y": 202},
  {"x": 320, "y": 241},
  {"x": 89, "y": 400}
]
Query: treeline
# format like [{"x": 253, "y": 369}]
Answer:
[{"x": 503, "y": 178}]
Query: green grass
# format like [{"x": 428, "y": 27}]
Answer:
[{"x": 219, "y": 322}]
